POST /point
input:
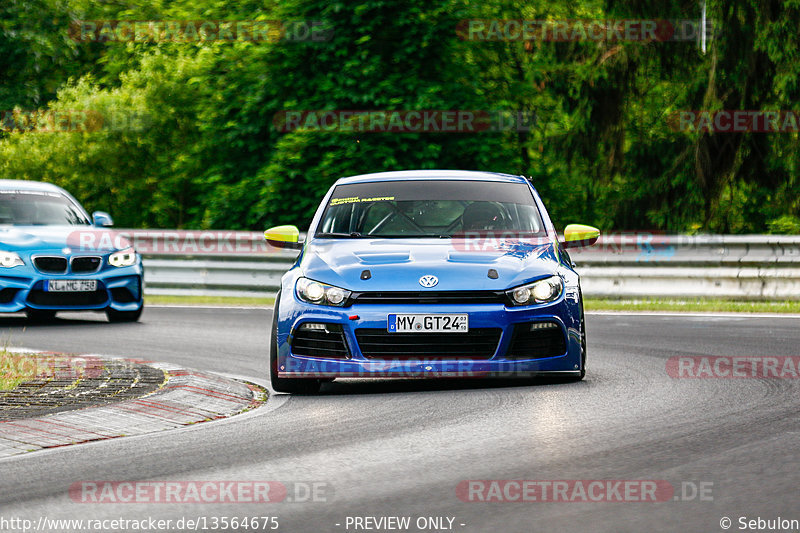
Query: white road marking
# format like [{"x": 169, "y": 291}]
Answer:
[
  {"x": 696, "y": 314},
  {"x": 203, "y": 306}
]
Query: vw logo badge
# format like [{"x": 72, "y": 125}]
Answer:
[{"x": 428, "y": 281}]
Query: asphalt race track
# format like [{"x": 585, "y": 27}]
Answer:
[{"x": 401, "y": 447}]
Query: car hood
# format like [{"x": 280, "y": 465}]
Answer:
[
  {"x": 398, "y": 264},
  {"x": 79, "y": 239}
]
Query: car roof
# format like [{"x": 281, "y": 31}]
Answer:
[
  {"x": 403, "y": 175},
  {"x": 23, "y": 185}
]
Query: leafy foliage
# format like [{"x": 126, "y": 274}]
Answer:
[{"x": 188, "y": 136}]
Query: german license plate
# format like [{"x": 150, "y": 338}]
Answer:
[
  {"x": 428, "y": 323},
  {"x": 71, "y": 285}
]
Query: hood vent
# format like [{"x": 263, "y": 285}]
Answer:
[{"x": 382, "y": 258}]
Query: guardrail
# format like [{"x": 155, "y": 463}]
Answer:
[
  {"x": 621, "y": 265},
  {"x": 751, "y": 267}
]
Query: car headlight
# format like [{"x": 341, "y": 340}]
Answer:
[
  {"x": 315, "y": 292},
  {"x": 10, "y": 259},
  {"x": 123, "y": 258},
  {"x": 544, "y": 290}
]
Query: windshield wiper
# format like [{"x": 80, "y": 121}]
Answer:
[
  {"x": 353, "y": 235},
  {"x": 402, "y": 236}
]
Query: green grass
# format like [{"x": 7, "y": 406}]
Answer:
[
  {"x": 696, "y": 305},
  {"x": 15, "y": 368},
  {"x": 208, "y": 300}
]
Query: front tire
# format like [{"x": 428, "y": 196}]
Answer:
[
  {"x": 583, "y": 347},
  {"x": 583, "y": 344},
  {"x": 290, "y": 385},
  {"x": 579, "y": 377}
]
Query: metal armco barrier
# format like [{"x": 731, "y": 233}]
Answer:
[
  {"x": 620, "y": 265},
  {"x": 751, "y": 267}
]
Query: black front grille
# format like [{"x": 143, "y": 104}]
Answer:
[
  {"x": 328, "y": 343},
  {"x": 429, "y": 297},
  {"x": 59, "y": 299},
  {"x": 86, "y": 264},
  {"x": 537, "y": 340},
  {"x": 7, "y": 295},
  {"x": 478, "y": 343},
  {"x": 51, "y": 265}
]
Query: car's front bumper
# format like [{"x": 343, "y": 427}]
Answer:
[
  {"x": 564, "y": 312},
  {"x": 119, "y": 289}
]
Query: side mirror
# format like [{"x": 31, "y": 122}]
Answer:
[
  {"x": 284, "y": 237},
  {"x": 578, "y": 235},
  {"x": 102, "y": 219}
]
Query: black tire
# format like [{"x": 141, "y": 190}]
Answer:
[
  {"x": 290, "y": 385},
  {"x": 579, "y": 377},
  {"x": 124, "y": 316},
  {"x": 583, "y": 344},
  {"x": 41, "y": 316}
]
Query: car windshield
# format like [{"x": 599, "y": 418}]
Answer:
[
  {"x": 34, "y": 208},
  {"x": 435, "y": 208}
]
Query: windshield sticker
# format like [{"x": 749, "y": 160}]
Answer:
[{"x": 356, "y": 199}]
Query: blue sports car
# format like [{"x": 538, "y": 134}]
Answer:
[
  {"x": 428, "y": 274},
  {"x": 54, "y": 257}
]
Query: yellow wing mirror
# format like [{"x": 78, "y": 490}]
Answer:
[
  {"x": 578, "y": 235},
  {"x": 284, "y": 237}
]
